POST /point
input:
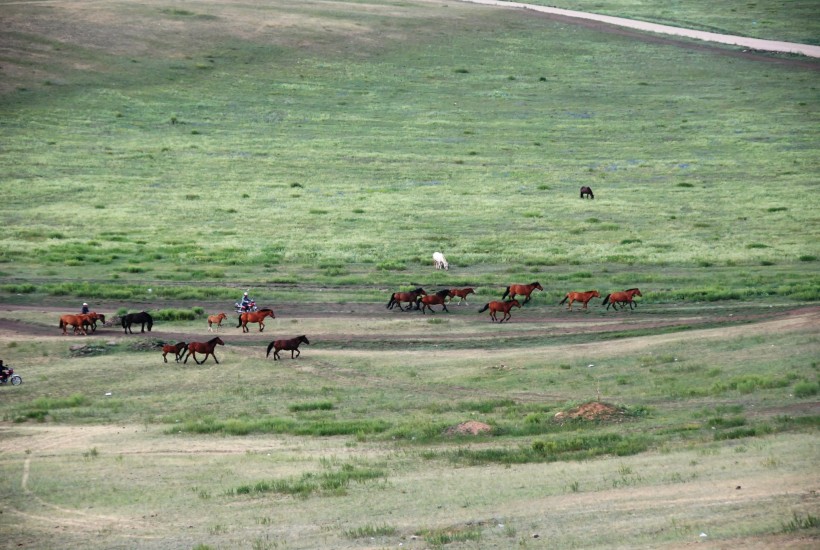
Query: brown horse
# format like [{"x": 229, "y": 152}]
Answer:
[
  {"x": 91, "y": 321},
  {"x": 398, "y": 297},
  {"x": 216, "y": 320},
  {"x": 504, "y": 307},
  {"x": 255, "y": 317},
  {"x": 623, "y": 298},
  {"x": 585, "y": 190},
  {"x": 177, "y": 349},
  {"x": 291, "y": 345},
  {"x": 461, "y": 293},
  {"x": 426, "y": 302},
  {"x": 524, "y": 290},
  {"x": 75, "y": 321},
  {"x": 583, "y": 297},
  {"x": 204, "y": 347}
]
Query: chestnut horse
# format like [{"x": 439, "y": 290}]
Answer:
[
  {"x": 398, "y": 297},
  {"x": 426, "y": 302},
  {"x": 291, "y": 345},
  {"x": 587, "y": 191},
  {"x": 461, "y": 293},
  {"x": 76, "y": 321},
  {"x": 255, "y": 317},
  {"x": 583, "y": 297},
  {"x": 91, "y": 321},
  {"x": 204, "y": 347},
  {"x": 524, "y": 290},
  {"x": 216, "y": 320},
  {"x": 177, "y": 349},
  {"x": 623, "y": 298},
  {"x": 504, "y": 307}
]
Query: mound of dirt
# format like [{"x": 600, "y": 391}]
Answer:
[
  {"x": 594, "y": 410},
  {"x": 471, "y": 427}
]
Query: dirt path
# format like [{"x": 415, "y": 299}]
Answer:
[{"x": 643, "y": 26}]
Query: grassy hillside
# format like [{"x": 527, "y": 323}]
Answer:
[{"x": 261, "y": 144}]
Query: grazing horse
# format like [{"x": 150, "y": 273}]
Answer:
[
  {"x": 461, "y": 293},
  {"x": 292, "y": 345},
  {"x": 524, "y": 290},
  {"x": 504, "y": 307},
  {"x": 133, "y": 318},
  {"x": 440, "y": 262},
  {"x": 623, "y": 298},
  {"x": 76, "y": 321},
  {"x": 91, "y": 321},
  {"x": 177, "y": 349},
  {"x": 204, "y": 347},
  {"x": 587, "y": 191},
  {"x": 255, "y": 317},
  {"x": 426, "y": 302},
  {"x": 216, "y": 320},
  {"x": 583, "y": 297},
  {"x": 398, "y": 297}
]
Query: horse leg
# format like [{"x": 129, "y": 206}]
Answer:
[
  {"x": 163, "y": 356},
  {"x": 298, "y": 353},
  {"x": 212, "y": 355},
  {"x": 261, "y": 326},
  {"x": 276, "y": 354},
  {"x": 187, "y": 356}
]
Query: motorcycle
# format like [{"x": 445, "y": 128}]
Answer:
[
  {"x": 14, "y": 379},
  {"x": 250, "y": 307}
]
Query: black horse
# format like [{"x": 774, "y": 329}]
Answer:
[
  {"x": 587, "y": 191},
  {"x": 133, "y": 318}
]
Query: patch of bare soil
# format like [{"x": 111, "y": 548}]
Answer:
[
  {"x": 471, "y": 427},
  {"x": 594, "y": 410}
]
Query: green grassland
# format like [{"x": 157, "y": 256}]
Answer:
[{"x": 162, "y": 156}]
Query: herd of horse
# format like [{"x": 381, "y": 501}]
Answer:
[{"x": 417, "y": 299}]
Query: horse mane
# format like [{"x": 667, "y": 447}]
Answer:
[
  {"x": 212, "y": 340},
  {"x": 536, "y": 283},
  {"x": 265, "y": 309},
  {"x": 628, "y": 289}
]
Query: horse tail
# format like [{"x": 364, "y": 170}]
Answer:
[
  {"x": 240, "y": 321},
  {"x": 505, "y": 293},
  {"x": 270, "y": 347},
  {"x": 606, "y": 300},
  {"x": 62, "y": 323},
  {"x": 391, "y": 301},
  {"x": 485, "y": 308},
  {"x": 564, "y": 300}
]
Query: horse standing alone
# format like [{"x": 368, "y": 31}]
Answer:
[
  {"x": 132, "y": 318},
  {"x": 440, "y": 262},
  {"x": 587, "y": 191}
]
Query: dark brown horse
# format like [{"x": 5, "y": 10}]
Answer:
[
  {"x": 503, "y": 307},
  {"x": 525, "y": 290},
  {"x": 216, "y": 320},
  {"x": 75, "y": 321},
  {"x": 583, "y": 297},
  {"x": 255, "y": 317},
  {"x": 177, "y": 349},
  {"x": 143, "y": 318},
  {"x": 398, "y": 297},
  {"x": 437, "y": 299},
  {"x": 461, "y": 293},
  {"x": 623, "y": 298},
  {"x": 204, "y": 347},
  {"x": 292, "y": 345},
  {"x": 587, "y": 191}
]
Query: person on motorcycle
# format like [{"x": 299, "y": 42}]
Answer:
[
  {"x": 245, "y": 304},
  {"x": 4, "y": 372},
  {"x": 85, "y": 308}
]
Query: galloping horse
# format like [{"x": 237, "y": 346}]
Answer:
[
  {"x": 583, "y": 297},
  {"x": 587, "y": 191},
  {"x": 461, "y": 293},
  {"x": 524, "y": 290},
  {"x": 134, "y": 318},
  {"x": 292, "y": 345},
  {"x": 623, "y": 298},
  {"x": 177, "y": 349},
  {"x": 398, "y": 297},
  {"x": 504, "y": 307},
  {"x": 76, "y": 321},
  {"x": 91, "y": 321},
  {"x": 255, "y": 317},
  {"x": 216, "y": 320},
  {"x": 426, "y": 302},
  {"x": 440, "y": 262},
  {"x": 204, "y": 347}
]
